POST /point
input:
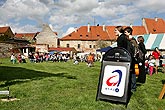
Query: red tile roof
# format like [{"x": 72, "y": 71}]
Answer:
[
  {"x": 138, "y": 30},
  {"x": 62, "y": 49},
  {"x": 25, "y": 35},
  {"x": 97, "y": 33},
  {"x": 4, "y": 29},
  {"x": 110, "y": 31},
  {"x": 155, "y": 26},
  {"x": 28, "y": 35}
]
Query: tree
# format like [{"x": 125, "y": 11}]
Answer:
[{"x": 101, "y": 44}]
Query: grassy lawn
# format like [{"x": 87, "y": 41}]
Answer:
[{"x": 65, "y": 86}]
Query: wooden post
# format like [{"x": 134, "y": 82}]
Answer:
[{"x": 162, "y": 93}]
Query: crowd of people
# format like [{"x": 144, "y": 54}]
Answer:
[
  {"x": 137, "y": 51},
  {"x": 20, "y": 58},
  {"x": 39, "y": 57},
  {"x": 56, "y": 57},
  {"x": 153, "y": 62},
  {"x": 88, "y": 58}
]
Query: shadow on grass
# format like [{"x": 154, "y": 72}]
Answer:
[
  {"x": 15, "y": 75},
  {"x": 163, "y": 81}
]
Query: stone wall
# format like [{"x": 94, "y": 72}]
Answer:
[
  {"x": 7, "y": 48},
  {"x": 47, "y": 36},
  {"x": 42, "y": 48}
]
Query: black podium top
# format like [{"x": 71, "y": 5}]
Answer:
[{"x": 117, "y": 54}]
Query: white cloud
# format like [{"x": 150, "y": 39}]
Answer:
[
  {"x": 61, "y": 13},
  {"x": 152, "y": 5},
  {"x": 25, "y": 28},
  {"x": 18, "y": 9},
  {"x": 70, "y": 30}
]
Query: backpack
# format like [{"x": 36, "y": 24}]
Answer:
[
  {"x": 139, "y": 55},
  {"x": 135, "y": 50},
  {"x": 130, "y": 48}
]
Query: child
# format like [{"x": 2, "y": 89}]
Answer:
[
  {"x": 90, "y": 60},
  {"x": 151, "y": 63},
  {"x": 13, "y": 59}
]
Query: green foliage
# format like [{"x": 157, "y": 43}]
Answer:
[
  {"x": 101, "y": 44},
  {"x": 65, "y": 86},
  {"x": 4, "y": 37}
]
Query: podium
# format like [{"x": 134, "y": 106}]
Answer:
[{"x": 114, "y": 75}]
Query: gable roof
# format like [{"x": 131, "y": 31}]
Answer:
[
  {"x": 138, "y": 30},
  {"x": 27, "y": 36},
  {"x": 95, "y": 33},
  {"x": 46, "y": 32},
  {"x": 98, "y": 33},
  {"x": 155, "y": 26},
  {"x": 4, "y": 29}
]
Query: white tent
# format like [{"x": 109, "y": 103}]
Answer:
[{"x": 151, "y": 41}]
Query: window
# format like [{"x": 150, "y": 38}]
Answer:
[
  {"x": 78, "y": 46},
  {"x": 67, "y": 45},
  {"x": 25, "y": 50},
  {"x": 94, "y": 46},
  {"x": 90, "y": 46}
]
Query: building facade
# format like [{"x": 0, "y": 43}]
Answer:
[
  {"x": 90, "y": 38},
  {"x": 6, "y": 33},
  {"x": 46, "y": 37}
]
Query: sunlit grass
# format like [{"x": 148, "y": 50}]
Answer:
[{"x": 65, "y": 86}]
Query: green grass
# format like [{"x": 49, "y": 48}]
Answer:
[{"x": 65, "y": 86}]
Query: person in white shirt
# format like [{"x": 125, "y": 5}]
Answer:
[
  {"x": 13, "y": 58},
  {"x": 151, "y": 63}
]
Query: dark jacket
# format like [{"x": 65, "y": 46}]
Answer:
[
  {"x": 122, "y": 41},
  {"x": 142, "y": 72},
  {"x": 143, "y": 49}
]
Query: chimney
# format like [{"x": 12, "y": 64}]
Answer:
[
  {"x": 75, "y": 29},
  {"x": 88, "y": 27},
  {"x": 103, "y": 27},
  {"x": 156, "y": 19},
  {"x": 130, "y": 25}
]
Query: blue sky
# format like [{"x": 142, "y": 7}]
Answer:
[{"x": 65, "y": 15}]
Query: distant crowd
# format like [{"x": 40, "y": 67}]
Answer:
[{"x": 56, "y": 57}]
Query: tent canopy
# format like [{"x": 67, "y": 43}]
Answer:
[
  {"x": 154, "y": 40},
  {"x": 104, "y": 49},
  {"x": 52, "y": 52},
  {"x": 151, "y": 41}
]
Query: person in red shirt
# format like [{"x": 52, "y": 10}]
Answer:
[
  {"x": 90, "y": 59},
  {"x": 156, "y": 55}
]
